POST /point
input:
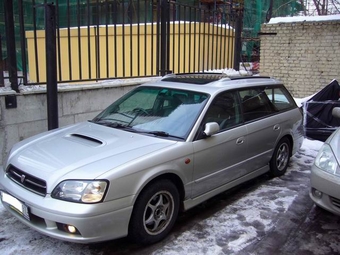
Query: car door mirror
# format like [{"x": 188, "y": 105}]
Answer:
[
  {"x": 336, "y": 112},
  {"x": 211, "y": 128}
]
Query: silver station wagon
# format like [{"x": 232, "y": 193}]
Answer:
[{"x": 162, "y": 148}]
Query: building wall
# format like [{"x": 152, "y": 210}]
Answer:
[
  {"x": 75, "y": 104},
  {"x": 304, "y": 55}
]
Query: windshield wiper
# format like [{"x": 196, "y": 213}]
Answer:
[
  {"x": 163, "y": 134},
  {"x": 111, "y": 124},
  {"x": 130, "y": 129}
]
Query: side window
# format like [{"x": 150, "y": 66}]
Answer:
[
  {"x": 224, "y": 110},
  {"x": 280, "y": 98},
  {"x": 255, "y": 104}
]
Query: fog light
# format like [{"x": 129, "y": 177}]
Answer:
[
  {"x": 317, "y": 193},
  {"x": 71, "y": 229},
  {"x": 68, "y": 228}
]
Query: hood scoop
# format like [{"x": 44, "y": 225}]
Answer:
[{"x": 84, "y": 139}]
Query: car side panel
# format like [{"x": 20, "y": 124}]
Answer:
[
  {"x": 219, "y": 159},
  {"x": 262, "y": 137}
]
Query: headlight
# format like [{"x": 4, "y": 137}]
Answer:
[
  {"x": 80, "y": 191},
  {"x": 326, "y": 161}
]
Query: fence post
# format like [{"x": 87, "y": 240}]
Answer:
[
  {"x": 10, "y": 42},
  {"x": 164, "y": 62},
  {"x": 2, "y": 82},
  {"x": 238, "y": 41},
  {"x": 51, "y": 67},
  {"x": 22, "y": 40}
]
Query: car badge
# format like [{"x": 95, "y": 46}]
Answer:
[{"x": 22, "y": 178}]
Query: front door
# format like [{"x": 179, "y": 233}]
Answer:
[{"x": 222, "y": 157}]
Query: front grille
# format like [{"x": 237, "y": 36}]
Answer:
[
  {"x": 335, "y": 201},
  {"x": 26, "y": 180}
]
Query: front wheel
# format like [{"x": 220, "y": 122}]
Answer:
[
  {"x": 280, "y": 159},
  {"x": 154, "y": 213}
]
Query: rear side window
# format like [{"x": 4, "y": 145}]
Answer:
[
  {"x": 263, "y": 101},
  {"x": 280, "y": 98},
  {"x": 256, "y": 104}
]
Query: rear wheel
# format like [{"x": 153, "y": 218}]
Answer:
[
  {"x": 280, "y": 159},
  {"x": 154, "y": 213}
]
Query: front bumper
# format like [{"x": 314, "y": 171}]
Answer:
[
  {"x": 325, "y": 190},
  {"x": 94, "y": 222}
]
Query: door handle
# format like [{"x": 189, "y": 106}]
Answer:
[
  {"x": 239, "y": 140},
  {"x": 276, "y": 127}
]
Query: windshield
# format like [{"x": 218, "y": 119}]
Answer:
[{"x": 157, "y": 111}]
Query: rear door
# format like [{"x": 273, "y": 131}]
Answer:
[{"x": 263, "y": 126}]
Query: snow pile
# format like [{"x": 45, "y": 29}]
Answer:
[{"x": 229, "y": 72}]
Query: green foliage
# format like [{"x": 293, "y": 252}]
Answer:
[{"x": 256, "y": 12}]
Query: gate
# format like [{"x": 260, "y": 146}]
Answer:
[{"x": 115, "y": 39}]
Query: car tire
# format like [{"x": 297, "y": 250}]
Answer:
[
  {"x": 280, "y": 159},
  {"x": 154, "y": 213}
]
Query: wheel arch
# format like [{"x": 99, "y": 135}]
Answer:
[
  {"x": 291, "y": 143},
  {"x": 175, "y": 179},
  {"x": 133, "y": 221},
  {"x": 279, "y": 161}
]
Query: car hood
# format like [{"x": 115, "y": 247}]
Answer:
[{"x": 70, "y": 151}]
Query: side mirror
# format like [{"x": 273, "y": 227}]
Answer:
[
  {"x": 211, "y": 128},
  {"x": 336, "y": 112}
]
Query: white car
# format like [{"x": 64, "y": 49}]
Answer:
[
  {"x": 325, "y": 174},
  {"x": 162, "y": 148}
]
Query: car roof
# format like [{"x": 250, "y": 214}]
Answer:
[{"x": 212, "y": 82}]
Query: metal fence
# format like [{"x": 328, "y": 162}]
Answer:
[{"x": 109, "y": 39}]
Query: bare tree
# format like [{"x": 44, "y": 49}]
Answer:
[
  {"x": 303, "y": 7},
  {"x": 336, "y": 5},
  {"x": 327, "y": 7},
  {"x": 321, "y": 6}
]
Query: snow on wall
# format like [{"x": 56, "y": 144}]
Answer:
[{"x": 303, "y": 19}]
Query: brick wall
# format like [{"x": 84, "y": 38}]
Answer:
[{"x": 304, "y": 55}]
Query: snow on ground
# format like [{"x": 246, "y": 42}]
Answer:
[
  {"x": 245, "y": 220},
  {"x": 243, "y": 226},
  {"x": 230, "y": 229}
]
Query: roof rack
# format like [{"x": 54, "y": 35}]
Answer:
[
  {"x": 204, "y": 78},
  {"x": 249, "y": 77},
  {"x": 195, "y": 78}
]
